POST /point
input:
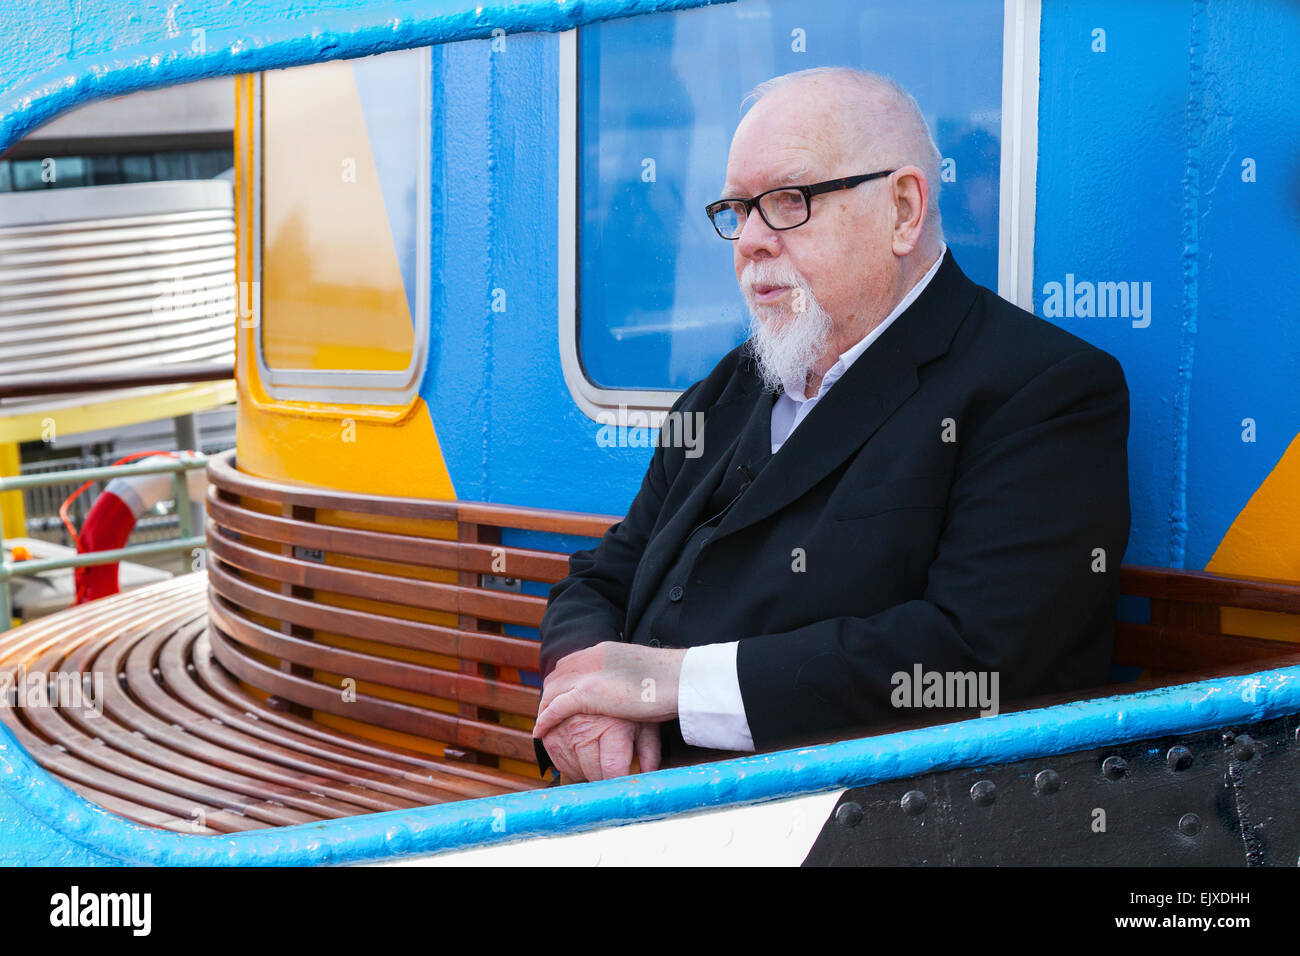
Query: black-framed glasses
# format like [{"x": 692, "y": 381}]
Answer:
[{"x": 782, "y": 208}]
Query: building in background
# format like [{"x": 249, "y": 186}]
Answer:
[{"x": 116, "y": 257}]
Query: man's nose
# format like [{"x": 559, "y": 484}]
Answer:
[{"x": 757, "y": 239}]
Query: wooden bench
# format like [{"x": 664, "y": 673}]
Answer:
[
  {"x": 1186, "y": 635},
  {"x": 349, "y": 653}
]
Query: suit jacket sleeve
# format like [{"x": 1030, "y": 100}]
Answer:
[
  {"x": 1012, "y": 588},
  {"x": 590, "y": 605}
]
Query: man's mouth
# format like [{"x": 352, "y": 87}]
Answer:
[{"x": 768, "y": 293}]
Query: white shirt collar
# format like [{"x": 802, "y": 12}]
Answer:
[{"x": 847, "y": 358}]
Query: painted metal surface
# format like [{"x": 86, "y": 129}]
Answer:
[
  {"x": 1167, "y": 157},
  {"x": 54, "y": 58},
  {"x": 1222, "y": 797},
  {"x": 980, "y": 742}
]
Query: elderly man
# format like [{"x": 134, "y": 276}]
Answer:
[{"x": 903, "y": 475}]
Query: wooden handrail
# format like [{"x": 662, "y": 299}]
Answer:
[
  {"x": 222, "y": 473},
  {"x": 1201, "y": 587}
]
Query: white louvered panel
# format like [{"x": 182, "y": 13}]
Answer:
[
  {"x": 106, "y": 309},
  {"x": 116, "y": 278},
  {"x": 70, "y": 340},
  {"x": 103, "y": 288}
]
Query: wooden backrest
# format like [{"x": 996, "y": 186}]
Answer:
[
  {"x": 388, "y": 613},
  {"x": 1186, "y": 633},
  {"x": 312, "y": 588}
]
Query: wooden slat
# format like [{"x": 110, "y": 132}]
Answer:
[
  {"x": 522, "y": 609},
  {"x": 1198, "y": 587},
  {"x": 156, "y": 758},
  {"x": 216, "y": 680},
  {"x": 108, "y": 744},
  {"x": 222, "y": 473},
  {"x": 212, "y": 716},
  {"x": 457, "y": 731},
  {"x": 1183, "y": 649},
  {"x": 496, "y": 648},
  {"x": 545, "y": 566},
  {"x": 498, "y": 695}
]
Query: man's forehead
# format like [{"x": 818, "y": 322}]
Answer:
[
  {"x": 767, "y": 176},
  {"x": 781, "y": 152}
]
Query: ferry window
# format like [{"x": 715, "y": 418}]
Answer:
[
  {"x": 658, "y": 98},
  {"x": 343, "y": 209}
]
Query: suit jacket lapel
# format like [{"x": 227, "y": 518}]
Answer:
[
  {"x": 726, "y": 425},
  {"x": 882, "y": 379}
]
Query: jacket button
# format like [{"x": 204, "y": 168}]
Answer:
[
  {"x": 675, "y": 594},
  {"x": 653, "y": 642}
]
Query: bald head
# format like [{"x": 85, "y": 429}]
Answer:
[
  {"x": 863, "y": 116},
  {"x": 817, "y": 287}
]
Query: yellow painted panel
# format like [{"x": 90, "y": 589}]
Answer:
[
  {"x": 1272, "y": 625},
  {"x": 1264, "y": 540},
  {"x": 390, "y": 651},
  {"x": 13, "y": 514},
  {"x": 349, "y": 447},
  {"x": 307, "y": 444},
  {"x": 115, "y": 410},
  {"x": 385, "y": 608},
  {"x": 528, "y": 770},
  {"x": 1263, "y": 543},
  {"x": 393, "y": 738},
  {"x": 383, "y": 692}
]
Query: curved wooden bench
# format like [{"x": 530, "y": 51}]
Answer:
[
  {"x": 180, "y": 745},
  {"x": 312, "y": 587},
  {"x": 348, "y": 653}
]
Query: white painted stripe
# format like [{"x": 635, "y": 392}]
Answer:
[
  {"x": 1019, "y": 184},
  {"x": 779, "y": 833}
]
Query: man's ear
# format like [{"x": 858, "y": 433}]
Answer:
[{"x": 911, "y": 198}]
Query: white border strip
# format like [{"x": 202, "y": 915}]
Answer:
[
  {"x": 1021, "y": 21},
  {"x": 345, "y": 386}
]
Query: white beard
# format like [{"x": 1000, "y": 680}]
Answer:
[{"x": 789, "y": 352}]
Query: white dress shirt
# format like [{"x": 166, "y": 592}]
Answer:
[{"x": 709, "y": 705}]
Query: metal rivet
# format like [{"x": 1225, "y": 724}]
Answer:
[
  {"x": 983, "y": 792},
  {"x": 1189, "y": 823},
  {"x": 1114, "y": 767},
  {"x": 1244, "y": 747},
  {"x": 913, "y": 802},
  {"x": 848, "y": 814},
  {"x": 1179, "y": 758},
  {"x": 1047, "y": 781}
]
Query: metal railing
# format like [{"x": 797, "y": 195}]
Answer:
[{"x": 187, "y": 541}]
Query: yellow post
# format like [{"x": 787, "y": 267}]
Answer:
[{"x": 13, "y": 517}]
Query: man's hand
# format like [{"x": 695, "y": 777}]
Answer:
[
  {"x": 598, "y": 748},
  {"x": 614, "y": 680}
]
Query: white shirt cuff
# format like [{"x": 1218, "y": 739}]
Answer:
[{"x": 709, "y": 706}]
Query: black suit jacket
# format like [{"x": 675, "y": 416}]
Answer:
[{"x": 954, "y": 496}]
